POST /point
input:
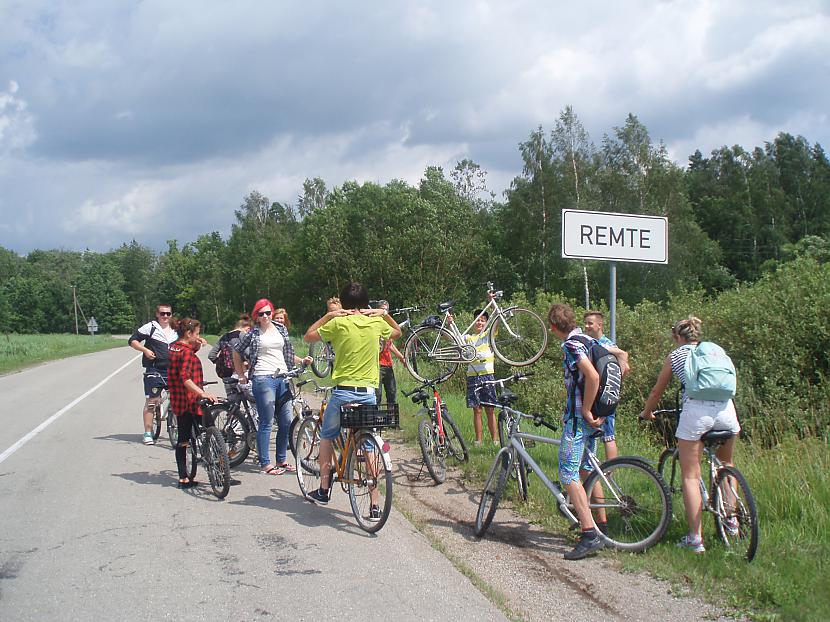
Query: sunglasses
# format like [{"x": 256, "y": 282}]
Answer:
[
  {"x": 264, "y": 313},
  {"x": 166, "y": 313}
]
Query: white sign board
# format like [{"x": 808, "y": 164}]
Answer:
[
  {"x": 92, "y": 325},
  {"x": 614, "y": 237}
]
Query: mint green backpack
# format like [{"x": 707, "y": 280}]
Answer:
[{"x": 710, "y": 374}]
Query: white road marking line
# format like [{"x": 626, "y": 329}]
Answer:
[{"x": 55, "y": 417}]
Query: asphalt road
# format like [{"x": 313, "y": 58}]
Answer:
[{"x": 92, "y": 525}]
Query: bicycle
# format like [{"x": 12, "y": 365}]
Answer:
[
  {"x": 208, "y": 446},
  {"x": 730, "y": 501},
  {"x": 323, "y": 356},
  {"x": 438, "y": 434},
  {"x": 235, "y": 418},
  {"x": 305, "y": 412},
  {"x": 406, "y": 325},
  {"x": 360, "y": 461},
  {"x": 634, "y": 500},
  {"x": 433, "y": 352},
  {"x": 161, "y": 408}
]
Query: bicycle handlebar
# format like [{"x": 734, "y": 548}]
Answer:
[
  {"x": 405, "y": 310},
  {"x": 292, "y": 373}
]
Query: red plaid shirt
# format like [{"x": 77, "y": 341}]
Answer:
[{"x": 184, "y": 365}]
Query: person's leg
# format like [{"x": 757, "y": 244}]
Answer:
[
  {"x": 283, "y": 418},
  {"x": 391, "y": 386},
  {"x": 152, "y": 392},
  {"x": 477, "y": 422},
  {"x": 609, "y": 437},
  {"x": 184, "y": 423},
  {"x": 149, "y": 413},
  {"x": 570, "y": 457},
  {"x": 491, "y": 423},
  {"x": 265, "y": 396},
  {"x": 690, "y": 454}
]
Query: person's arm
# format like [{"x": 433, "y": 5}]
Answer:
[
  {"x": 657, "y": 392},
  {"x": 622, "y": 357},
  {"x": 311, "y": 335},
  {"x": 589, "y": 393},
  {"x": 214, "y": 351},
  {"x": 393, "y": 348},
  {"x": 136, "y": 344},
  {"x": 200, "y": 392},
  {"x": 396, "y": 330}
]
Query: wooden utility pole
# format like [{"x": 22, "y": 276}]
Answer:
[{"x": 75, "y": 308}]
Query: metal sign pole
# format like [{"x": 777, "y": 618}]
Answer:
[{"x": 613, "y": 301}]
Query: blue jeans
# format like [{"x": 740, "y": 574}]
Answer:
[
  {"x": 266, "y": 391},
  {"x": 331, "y": 418}
]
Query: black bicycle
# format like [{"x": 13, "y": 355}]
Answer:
[{"x": 208, "y": 447}]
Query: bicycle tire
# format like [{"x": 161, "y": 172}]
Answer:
[
  {"x": 741, "y": 539},
  {"x": 456, "y": 446},
  {"x": 366, "y": 470},
  {"x": 430, "y": 451},
  {"x": 216, "y": 461},
  {"x": 234, "y": 430},
  {"x": 172, "y": 428},
  {"x": 525, "y": 341},
  {"x": 159, "y": 414},
  {"x": 431, "y": 354},
  {"x": 493, "y": 489},
  {"x": 667, "y": 467},
  {"x": 191, "y": 456},
  {"x": 293, "y": 429},
  {"x": 519, "y": 472},
  {"x": 322, "y": 358},
  {"x": 636, "y": 500},
  {"x": 308, "y": 451}
]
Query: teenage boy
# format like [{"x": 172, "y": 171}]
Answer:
[
  {"x": 581, "y": 385},
  {"x": 480, "y": 370},
  {"x": 153, "y": 340},
  {"x": 593, "y": 321},
  {"x": 387, "y": 370},
  {"x": 354, "y": 332}
]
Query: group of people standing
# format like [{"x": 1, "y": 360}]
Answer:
[{"x": 362, "y": 339}]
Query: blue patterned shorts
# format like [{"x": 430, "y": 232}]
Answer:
[{"x": 487, "y": 392}]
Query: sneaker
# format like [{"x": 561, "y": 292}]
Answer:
[
  {"x": 319, "y": 496},
  {"x": 693, "y": 543},
  {"x": 148, "y": 439},
  {"x": 586, "y": 546},
  {"x": 374, "y": 514},
  {"x": 731, "y": 526}
]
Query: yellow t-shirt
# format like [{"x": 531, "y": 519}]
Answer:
[{"x": 356, "y": 343}]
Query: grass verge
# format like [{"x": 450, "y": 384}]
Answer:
[{"x": 20, "y": 351}]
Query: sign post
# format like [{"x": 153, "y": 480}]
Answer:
[
  {"x": 613, "y": 237},
  {"x": 92, "y": 326}
]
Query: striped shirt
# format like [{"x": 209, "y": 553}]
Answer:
[
  {"x": 678, "y": 363},
  {"x": 485, "y": 361},
  {"x": 574, "y": 351}
]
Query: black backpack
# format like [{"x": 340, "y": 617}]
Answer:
[
  {"x": 224, "y": 362},
  {"x": 610, "y": 376}
]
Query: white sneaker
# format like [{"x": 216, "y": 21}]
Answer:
[
  {"x": 693, "y": 543},
  {"x": 148, "y": 439}
]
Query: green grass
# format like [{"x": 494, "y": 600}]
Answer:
[
  {"x": 789, "y": 578},
  {"x": 20, "y": 351}
]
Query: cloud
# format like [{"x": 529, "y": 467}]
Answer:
[{"x": 16, "y": 123}]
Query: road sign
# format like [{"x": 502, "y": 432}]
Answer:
[
  {"x": 614, "y": 237},
  {"x": 92, "y": 325}
]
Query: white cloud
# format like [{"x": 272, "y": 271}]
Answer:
[
  {"x": 17, "y": 129},
  {"x": 137, "y": 212}
]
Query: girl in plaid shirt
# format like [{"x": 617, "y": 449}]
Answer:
[{"x": 185, "y": 381}]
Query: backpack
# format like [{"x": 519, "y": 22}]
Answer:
[
  {"x": 224, "y": 362},
  {"x": 610, "y": 377},
  {"x": 709, "y": 373}
]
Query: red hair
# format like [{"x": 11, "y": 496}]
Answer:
[{"x": 259, "y": 304}]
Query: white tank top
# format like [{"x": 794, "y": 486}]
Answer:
[{"x": 270, "y": 358}]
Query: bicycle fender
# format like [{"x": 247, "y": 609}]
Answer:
[{"x": 387, "y": 460}]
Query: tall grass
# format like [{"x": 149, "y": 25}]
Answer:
[
  {"x": 788, "y": 580},
  {"x": 18, "y": 351}
]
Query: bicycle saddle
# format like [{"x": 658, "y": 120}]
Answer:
[
  {"x": 419, "y": 397},
  {"x": 717, "y": 435},
  {"x": 446, "y": 306},
  {"x": 507, "y": 397}
]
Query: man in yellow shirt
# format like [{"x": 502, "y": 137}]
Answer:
[{"x": 354, "y": 332}]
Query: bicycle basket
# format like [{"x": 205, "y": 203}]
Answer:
[{"x": 370, "y": 416}]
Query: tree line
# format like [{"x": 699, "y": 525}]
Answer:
[{"x": 733, "y": 216}]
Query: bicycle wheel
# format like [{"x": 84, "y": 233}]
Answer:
[
  {"x": 293, "y": 429},
  {"x": 431, "y": 354},
  {"x": 736, "y": 518},
  {"x": 323, "y": 358},
  {"x": 518, "y": 337},
  {"x": 308, "y": 451},
  {"x": 669, "y": 469},
  {"x": 159, "y": 415},
  {"x": 369, "y": 482},
  {"x": 456, "y": 446},
  {"x": 234, "y": 431},
  {"x": 191, "y": 456},
  {"x": 636, "y": 501},
  {"x": 217, "y": 463},
  {"x": 493, "y": 489},
  {"x": 432, "y": 453},
  {"x": 172, "y": 428},
  {"x": 520, "y": 472}
]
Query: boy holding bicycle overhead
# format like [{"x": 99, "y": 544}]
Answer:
[
  {"x": 479, "y": 372},
  {"x": 578, "y": 423},
  {"x": 354, "y": 332}
]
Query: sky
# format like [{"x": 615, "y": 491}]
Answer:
[{"x": 153, "y": 120}]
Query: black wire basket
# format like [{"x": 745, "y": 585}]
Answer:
[{"x": 370, "y": 416}]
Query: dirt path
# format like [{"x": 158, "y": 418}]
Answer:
[{"x": 520, "y": 566}]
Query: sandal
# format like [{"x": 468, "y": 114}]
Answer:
[
  {"x": 271, "y": 470},
  {"x": 287, "y": 468}
]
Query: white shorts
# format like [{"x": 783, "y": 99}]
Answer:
[{"x": 700, "y": 416}]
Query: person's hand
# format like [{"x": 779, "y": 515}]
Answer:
[
  {"x": 450, "y": 318},
  {"x": 594, "y": 422},
  {"x": 308, "y": 360},
  {"x": 373, "y": 312},
  {"x": 203, "y": 341},
  {"x": 210, "y": 396},
  {"x": 150, "y": 354},
  {"x": 648, "y": 415},
  {"x": 243, "y": 379}
]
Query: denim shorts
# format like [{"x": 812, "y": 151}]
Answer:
[
  {"x": 572, "y": 454},
  {"x": 331, "y": 417},
  {"x": 487, "y": 392}
]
